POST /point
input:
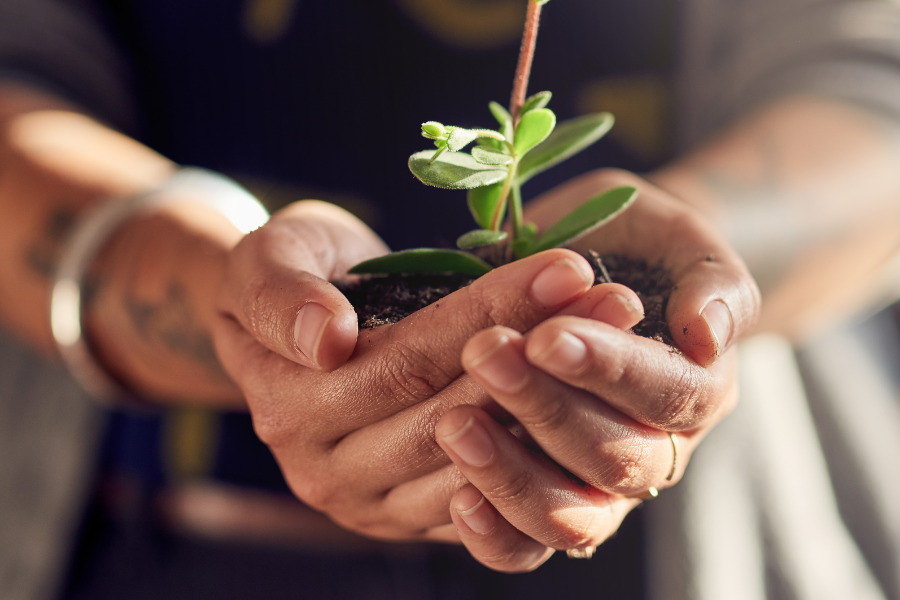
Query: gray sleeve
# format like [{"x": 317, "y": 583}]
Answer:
[
  {"x": 59, "y": 45},
  {"x": 737, "y": 54}
]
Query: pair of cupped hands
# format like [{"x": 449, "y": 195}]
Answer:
[{"x": 517, "y": 415}]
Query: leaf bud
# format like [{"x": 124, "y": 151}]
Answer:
[{"x": 434, "y": 130}]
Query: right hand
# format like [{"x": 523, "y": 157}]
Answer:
[{"x": 350, "y": 416}]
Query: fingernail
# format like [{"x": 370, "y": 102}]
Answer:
[
  {"x": 479, "y": 518},
  {"x": 561, "y": 281},
  {"x": 616, "y": 308},
  {"x": 502, "y": 367},
  {"x": 566, "y": 354},
  {"x": 718, "y": 319},
  {"x": 309, "y": 328},
  {"x": 471, "y": 443}
]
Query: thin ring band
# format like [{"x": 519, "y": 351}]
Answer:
[{"x": 674, "y": 439}]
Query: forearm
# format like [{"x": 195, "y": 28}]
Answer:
[
  {"x": 151, "y": 287},
  {"x": 807, "y": 192}
]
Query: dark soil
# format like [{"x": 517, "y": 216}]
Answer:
[{"x": 387, "y": 299}]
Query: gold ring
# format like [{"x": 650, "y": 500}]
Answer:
[
  {"x": 674, "y": 439},
  {"x": 651, "y": 492},
  {"x": 586, "y": 552}
]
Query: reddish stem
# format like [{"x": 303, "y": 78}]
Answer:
[{"x": 526, "y": 56}]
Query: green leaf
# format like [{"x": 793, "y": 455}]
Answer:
[
  {"x": 504, "y": 118},
  {"x": 480, "y": 237},
  {"x": 539, "y": 100},
  {"x": 460, "y": 138},
  {"x": 488, "y": 156},
  {"x": 587, "y": 217},
  {"x": 454, "y": 170},
  {"x": 491, "y": 143},
  {"x": 483, "y": 202},
  {"x": 534, "y": 127},
  {"x": 423, "y": 261},
  {"x": 567, "y": 140},
  {"x": 433, "y": 130}
]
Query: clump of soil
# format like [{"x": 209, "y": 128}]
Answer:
[
  {"x": 387, "y": 299},
  {"x": 381, "y": 300}
]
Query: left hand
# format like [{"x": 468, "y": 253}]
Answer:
[{"x": 599, "y": 402}]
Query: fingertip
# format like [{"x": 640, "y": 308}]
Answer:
[
  {"x": 482, "y": 344},
  {"x": 490, "y": 538},
  {"x": 337, "y": 342},
  {"x": 714, "y": 303},
  {"x": 620, "y": 307},
  {"x": 719, "y": 323},
  {"x": 472, "y": 513},
  {"x": 705, "y": 336},
  {"x": 563, "y": 280}
]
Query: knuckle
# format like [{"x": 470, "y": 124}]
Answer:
[
  {"x": 422, "y": 430},
  {"x": 491, "y": 304},
  {"x": 613, "y": 371},
  {"x": 513, "y": 491},
  {"x": 411, "y": 376},
  {"x": 573, "y": 534},
  {"x": 270, "y": 426},
  {"x": 623, "y": 471},
  {"x": 546, "y": 416},
  {"x": 685, "y": 404},
  {"x": 318, "y": 492},
  {"x": 260, "y": 320},
  {"x": 273, "y": 422}
]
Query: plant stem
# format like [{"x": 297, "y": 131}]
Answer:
[
  {"x": 497, "y": 217},
  {"x": 515, "y": 203},
  {"x": 526, "y": 55},
  {"x": 516, "y": 208}
]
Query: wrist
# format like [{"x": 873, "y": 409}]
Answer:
[{"x": 147, "y": 290}]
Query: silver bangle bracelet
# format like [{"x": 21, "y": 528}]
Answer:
[{"x": 95, "y": 228}]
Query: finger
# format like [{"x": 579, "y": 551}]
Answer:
[
  {"x": 408, "y": 510},
  {"x": 422, "y": 503},
  {"x": 610, "y": 303},
  {"x": 405, "y": 442},
  {"x": 490, "y": 539},
  {"x": 419, "y": 356},
  {"x": 277, "y": 287},
  {"x": 531, "y": 492},
  {"x": 599, "y": 444},
  {"x": 642, "y": 378}
]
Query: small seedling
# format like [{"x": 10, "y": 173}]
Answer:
[{"x": 528, "y": 141}]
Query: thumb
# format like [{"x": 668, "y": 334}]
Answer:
[
  {"x": 714, "y": 303},
  {"x": 277, "y": 283}
]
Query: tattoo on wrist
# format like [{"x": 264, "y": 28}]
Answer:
[{"x": 173, "y": 323}]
